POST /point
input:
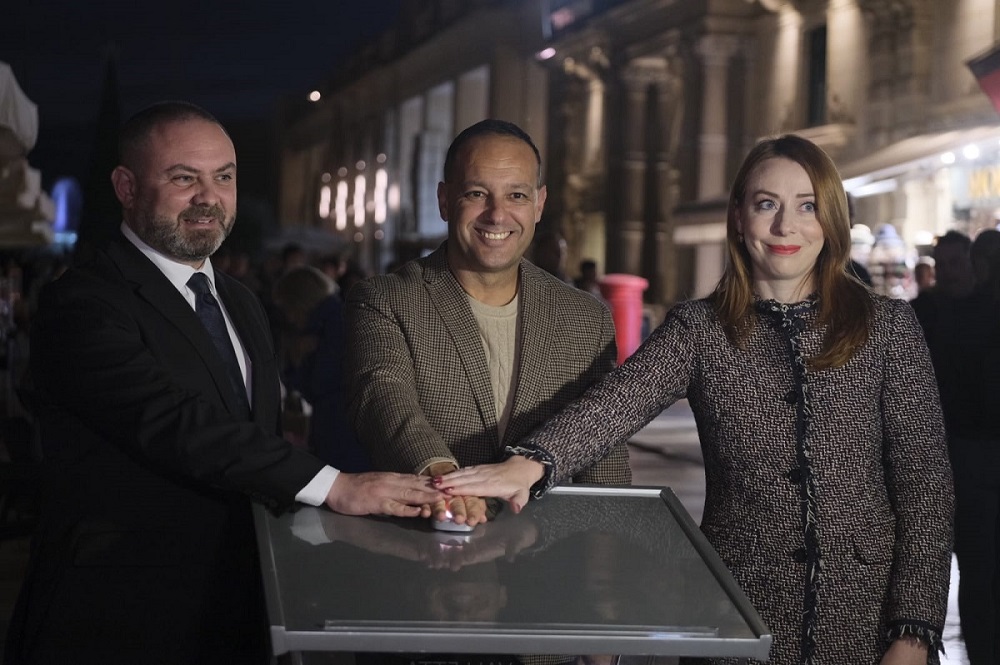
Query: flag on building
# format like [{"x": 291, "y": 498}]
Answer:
[{"x": 986, "y": 68}]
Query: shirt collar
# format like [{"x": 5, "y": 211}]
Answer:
[{"x": 178, "y": 273}]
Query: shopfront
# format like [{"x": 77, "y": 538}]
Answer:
[{"x": 910, "y": 192}]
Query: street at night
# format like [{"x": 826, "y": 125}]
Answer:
[{"x": 266, "y": 259}]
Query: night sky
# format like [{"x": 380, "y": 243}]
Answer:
[{"x": 237, "y": 59}]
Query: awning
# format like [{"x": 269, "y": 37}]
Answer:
[
  {"x": 18, "y": 114},
  {"x": 906, "y": 154}
]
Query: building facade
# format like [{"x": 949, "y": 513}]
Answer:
[{"x": 643, "y": 110}]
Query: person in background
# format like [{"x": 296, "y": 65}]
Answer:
[
  {"x": 854, "y": 267},
  {"x": 548, "y": 252},
  {"x": 984, "y": 254},
  {"x": 953, "y": 281},
  {"x": 967, "y": 363},
  {"x": 155, "y": 389},
  {"x": 292, "y": 256},
  {"x": 333, "y": 266},
  {"x": 351, "y": 275},
  {"x": 923, "y": 274},
  {"x": 242, "y": 270},
  {"x": 828, "y": 486},
  {"x": 313, "y": 352},
  {"x": 587, "y": 281},
  {"x": 953, "y": 273}
]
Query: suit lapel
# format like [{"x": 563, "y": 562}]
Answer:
[
  {"x": 452, "y": 305},
  {"x": 156, "y": 290},
  {"x": 536, "y": 305}
]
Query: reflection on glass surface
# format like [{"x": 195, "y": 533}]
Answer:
[{"x": 565, "y": 563}]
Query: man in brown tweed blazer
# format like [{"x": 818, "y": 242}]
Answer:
[{"x": 469, "y": 349}]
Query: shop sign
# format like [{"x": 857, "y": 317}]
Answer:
[{"x": 978, "y": 186}]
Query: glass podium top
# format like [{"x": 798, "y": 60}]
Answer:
[{"x": 586, "y": 569}]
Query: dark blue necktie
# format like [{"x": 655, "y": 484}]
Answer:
[{"x": 208, "y": 310}]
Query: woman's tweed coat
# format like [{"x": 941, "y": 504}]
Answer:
[{"x": 841, "y": 537}]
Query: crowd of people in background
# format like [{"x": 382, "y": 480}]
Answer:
[{"x": 960, "y": 317}]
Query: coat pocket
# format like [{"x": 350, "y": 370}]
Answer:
[{"x": 873, "y": 543}]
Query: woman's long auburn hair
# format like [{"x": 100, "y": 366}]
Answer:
[{"x": 845, "y": 304}]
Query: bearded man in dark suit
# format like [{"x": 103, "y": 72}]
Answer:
[{"x": 154, "y": 444}]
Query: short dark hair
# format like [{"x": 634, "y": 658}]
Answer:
[
  {"x": 956, "y": 238},
  {"x": 291, "y": 249},
  {"x": 493, "y": 127},
  {"x": 985, "y": 257},
  {"x": 301, "y": 289},
  {"x": 134, "y": 134}
]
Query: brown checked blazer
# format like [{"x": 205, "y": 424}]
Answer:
[{"x": 419, "y": 386}]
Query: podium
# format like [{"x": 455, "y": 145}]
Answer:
[{"x": 585, "y": 570}]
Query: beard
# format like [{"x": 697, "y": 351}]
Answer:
[{"x": 175, "y": 239}]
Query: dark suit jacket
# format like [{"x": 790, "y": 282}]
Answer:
[
  {"x": 419, "y": 384},
  {"x": 145, "y": 550}
]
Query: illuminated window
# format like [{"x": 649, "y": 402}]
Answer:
[
  {"x": 340, "y": 207},
  {"x": 380, "y": 195},
  {"x": 359, "y": 201},
  {"x": 324, "y": 201}
]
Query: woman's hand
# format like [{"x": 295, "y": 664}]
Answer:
[
  {"x": 510, "y": 480},
  {"x": 906, "y": 651}
]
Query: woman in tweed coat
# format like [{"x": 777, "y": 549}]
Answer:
[{"x": 828, "y": 488}]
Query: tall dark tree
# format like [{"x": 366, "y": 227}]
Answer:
[{"x": 101, "y": 211}]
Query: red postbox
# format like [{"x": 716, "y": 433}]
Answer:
[{"x": 624, "y": 296}]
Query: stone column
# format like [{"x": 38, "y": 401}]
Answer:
[
  {"x": 641, "y": 77},
  {"x": 715, "y": 52},
  {"x": 900, "y": 47}
]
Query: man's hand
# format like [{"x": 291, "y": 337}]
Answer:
[
  {"x": 382, "y": 494},
  {"x": 469, "y": 510},
  {"x": 510, "y": 480}
]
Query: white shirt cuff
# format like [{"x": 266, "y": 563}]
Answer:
[{"x": 315, "y": 493}]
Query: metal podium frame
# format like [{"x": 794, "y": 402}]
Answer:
[{"x": 287, "y": 573}]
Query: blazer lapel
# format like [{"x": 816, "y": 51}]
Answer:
[
  {"x": 157, "y": 291},
  {"x": 537, "y": 307},
  {"x": 452, "y": 305}
]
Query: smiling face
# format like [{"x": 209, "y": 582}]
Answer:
[
  {"x": 179, "y": 194},
  {"x": 781, "y": 229},
  {"x": 491, "y": 202}
]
